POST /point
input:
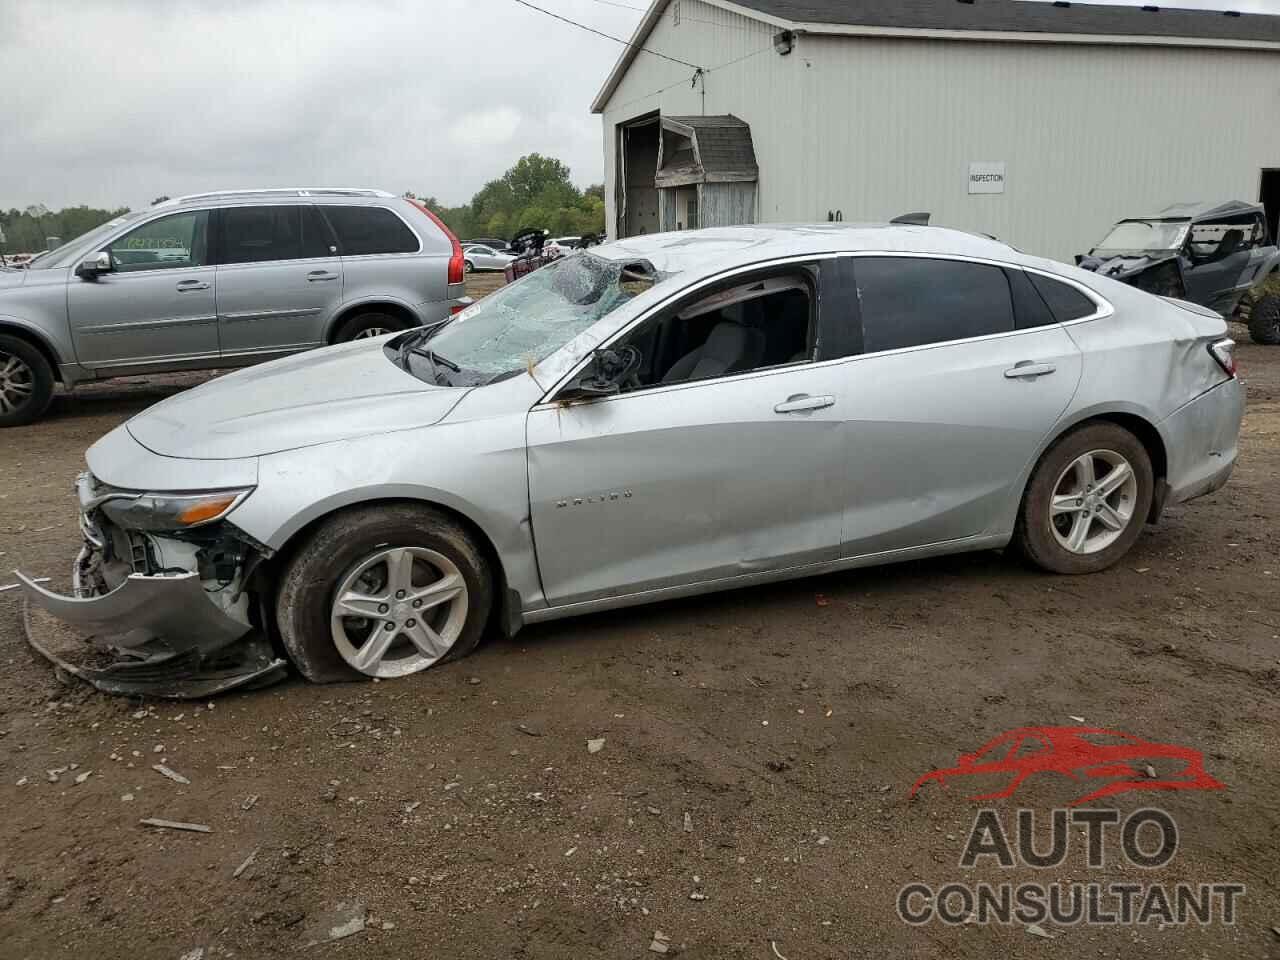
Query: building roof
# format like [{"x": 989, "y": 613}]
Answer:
[
  {"x": 1063, "y": 22},
  {"x": 720, "y": 150},
  {"x": 1022, "y": 16}
]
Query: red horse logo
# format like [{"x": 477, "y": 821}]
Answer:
[{"x": 1080, "y": 753}]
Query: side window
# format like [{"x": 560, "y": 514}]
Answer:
[
  {"x": 912, "y": 301},
  {"x": 179, "y": 241},
  {"x": 1066, "y": 302},
  {"x": 260, "y": 234},
  {"x": 1219, "y": 239},
  {"x": 748, "y": 325},
  {"x": 368, "y": 230}
]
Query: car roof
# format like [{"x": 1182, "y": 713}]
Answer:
[
  {"x": 1204, "y": 210},
  {"x": 692, "y": 249}
]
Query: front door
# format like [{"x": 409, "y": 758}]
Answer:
[
  {"x": 724, "y": 457},
  {"x": 279, "y": 279},
  {"x": 155, "y": 307},
  {"x": 951, "y": 396}
]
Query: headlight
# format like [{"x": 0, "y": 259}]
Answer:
[{"x": 165, "y": 511}]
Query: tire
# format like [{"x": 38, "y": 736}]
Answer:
[
  {"x": 326, "y": 645},
  {"x": 467, "y": 266},
  {"x": 364, "y": 325},
  {"x": 26, "y": 382},
  {"x": 1264, "y": 322},
  {"x": 1046, "y": 542}
]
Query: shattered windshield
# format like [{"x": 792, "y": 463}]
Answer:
[
  {"x": 1141, "y": 235},
  {"x": 521, "y": 324}
]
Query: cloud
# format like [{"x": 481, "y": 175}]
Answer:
[{"x": 116, "y": 103}]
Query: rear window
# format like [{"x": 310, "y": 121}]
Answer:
[
  {"x": 368, "y": 230},
  {"x": 1066, "y": 302},
  {"x": 263, "y": 234},
  {"x": 908, "y": 302}
]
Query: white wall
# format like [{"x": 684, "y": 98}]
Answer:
[{"x": 878, "y": 127}]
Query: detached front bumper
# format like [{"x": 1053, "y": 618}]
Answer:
[{"x": 173, "y": 632}]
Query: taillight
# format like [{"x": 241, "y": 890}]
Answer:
[
  {"x": 457, "y": 273},
  {"x": 1224, "y": 351}
]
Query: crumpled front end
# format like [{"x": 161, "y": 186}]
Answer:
[
  {"x": 1160, "y": 275},
  {"x": 153, "y": 612}
]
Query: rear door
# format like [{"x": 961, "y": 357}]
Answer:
[
  {"x": 279, "y": 279},
  {"x": 950, "y": 394},
  {"x": 155, "y": 307},
  {"x": 384, "y": 259}
]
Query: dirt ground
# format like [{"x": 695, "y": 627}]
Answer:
[{"x": 751, "y": 796}]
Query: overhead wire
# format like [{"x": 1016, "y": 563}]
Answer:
[{"x": 601, "y": 33}]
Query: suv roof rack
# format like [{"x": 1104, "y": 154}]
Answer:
[{"x": 281, "y": 192}]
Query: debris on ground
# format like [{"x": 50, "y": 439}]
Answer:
[
  {"x": 175, "y": 825},
  {"x": 773, "y": 945},
  {"x": 822, "y": 600},
  {"x": 196, "y": 953},
  {"x": 1036, "y": 930},
  {"x": 660, "y": 943},
  {"x": 248, "y": 862},
  {"x": 249, "y": 801},
  {"x": 82, "y": 777},
  {"x": 344, "y": 919},
  {"x": 688, "y": 822},
  {"x": 527, "y": 730},
  {"x": 697, "y": 895},
  {"x": 596, "y": 745},
  {"x": 173, "y": 775},
  {"x": 1075, "y": 718}
]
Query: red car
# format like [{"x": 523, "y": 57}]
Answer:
[{"x": 1079, "y": 753}]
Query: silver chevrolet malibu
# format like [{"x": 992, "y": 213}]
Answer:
[{"x": 653, "y": 418}]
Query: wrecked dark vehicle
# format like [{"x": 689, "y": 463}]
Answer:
[{"x": 1207, "y": 253}]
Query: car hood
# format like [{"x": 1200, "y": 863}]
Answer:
[
  {"x": 335, "y": 393},
  {"x": 1122, "y": 267},
  {"x": 10, "y": 277}
]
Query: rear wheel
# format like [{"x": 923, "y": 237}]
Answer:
[
  {"x": 26, "y": 382},
  {"x": 383, "y": 592},
  {"x": 467, "y": 266},
  {"x": 364, "y": 326},
  {"x": 1264, "y": 321},
  {"x": 1087, "y": 501}
]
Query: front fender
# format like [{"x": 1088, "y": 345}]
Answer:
[{"x": 477, "y": 470}]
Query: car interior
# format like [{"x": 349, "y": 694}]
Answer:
[{"x": 764, "y": 322}]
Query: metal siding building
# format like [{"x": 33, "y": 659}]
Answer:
[{"x": 885, "y": 115}]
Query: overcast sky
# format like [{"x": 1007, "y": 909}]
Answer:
[{"x": 113, "y": 103}]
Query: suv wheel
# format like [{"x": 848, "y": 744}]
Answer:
[
  {"x": 383, "y": 592},
  {"x": 1264, "y": 321},
  {"x": 1086, "y": 502},
  {"x": 467, "y": 266},
  {"x": 26, "y": 382},
  {"x": 363, "y": 326}
]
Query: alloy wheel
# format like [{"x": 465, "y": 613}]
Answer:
[
  {"x": 368, "y": 333},
  {"x": 398, "y": 611},
  {"x": 17, "y": 383},
  {"x": 1093, "y": 501}
]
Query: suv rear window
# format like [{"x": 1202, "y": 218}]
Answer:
[
  {"x": 264, "y": 234},
  {"x": 367, "y": 230}
]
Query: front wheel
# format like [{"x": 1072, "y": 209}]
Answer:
[
  {"x": 1087, "y": 501},
  {"x": 26, "y": 382},
  {"x": 383, "y": 591}
]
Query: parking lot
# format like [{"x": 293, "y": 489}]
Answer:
[{"x": 750, "y": 797}]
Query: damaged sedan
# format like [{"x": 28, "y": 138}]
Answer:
[{"x": 653, "y": 418}]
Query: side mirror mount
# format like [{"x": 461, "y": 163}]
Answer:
[
  {"x": 609, "y": 369},
  {"x": 90, "y": 267}
]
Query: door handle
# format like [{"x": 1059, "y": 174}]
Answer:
[
  {"x": 799, "y": 402},
  {"x": 185, "y": 285},
  {"x": 1028, "y": 370},
  {"x": 316, "y": 275}
]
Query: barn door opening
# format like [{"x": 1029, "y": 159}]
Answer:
[
  {"x": 637, "y": 195},
  {"x": 1269, "y": 197}
]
